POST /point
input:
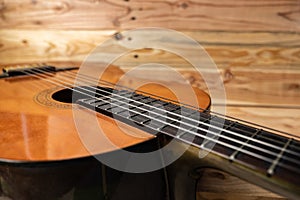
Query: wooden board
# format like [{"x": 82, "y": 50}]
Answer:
[
  {"x": 261, "y": 88},
  {"x": 227, "y": 49},
  {"x": 283, "y": 119},
  {"x": 254, "y": 15}
]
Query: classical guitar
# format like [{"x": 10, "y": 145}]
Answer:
[{"x": 43, "y": 156}]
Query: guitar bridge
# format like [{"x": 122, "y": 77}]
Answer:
[{"x": 24, "y": 70}]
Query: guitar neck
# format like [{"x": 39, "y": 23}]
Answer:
[{"x": 264, "y": 152}]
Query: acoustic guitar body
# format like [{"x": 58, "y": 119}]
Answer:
[{"x": 44, "y": 157}]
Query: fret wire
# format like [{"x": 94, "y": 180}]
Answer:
[
  {"x": 207, "y": 141},
  {"x": 228, "y": 131},
  {"x": 275, "y": 162},
  {"x": 231, "y": 124},
  {"x": 89, "y": 101},
  {"x": 191, "y": 129},
  {"x": 206, "y": 120},
  {"x": 177, "y": 136},
  {"x": 233, "y": 155},
  {"x": 215, "y": 136},
  {"x": 63, "y": 85}
]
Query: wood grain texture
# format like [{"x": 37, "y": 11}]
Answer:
[
  {"x": 246, "y": 87},
  {"x": 227, "y": 49},
  {"x": 278, "y": 15},
  {"x": 283, "y": 119},
  {"x": 243, "y": 87}
]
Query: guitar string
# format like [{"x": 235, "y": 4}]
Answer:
[
  {"x": 254, "y": 147},
  {"x": 228, "y": 131},
  {"x": 137, "y": 107},
  {"x": 183, "y": 104}
]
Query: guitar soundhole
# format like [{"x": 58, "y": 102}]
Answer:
[
  {"x": 73, "y": 94},
  {"x": 55, "y": 97},
  {"x": 64, "y": 96}
]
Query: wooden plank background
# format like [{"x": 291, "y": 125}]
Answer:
[
  {"x": 250, "y": 15},
  {"x": 255, "y": 44}
]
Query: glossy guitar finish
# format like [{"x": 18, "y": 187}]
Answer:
[{"x": 40, "y": 124}]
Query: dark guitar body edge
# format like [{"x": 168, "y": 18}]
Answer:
[
  {"x": 78, "y": 179},
  {"x": 88, "y": 178}
]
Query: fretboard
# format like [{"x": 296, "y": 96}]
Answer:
[{"x": 256, "y": 148}]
